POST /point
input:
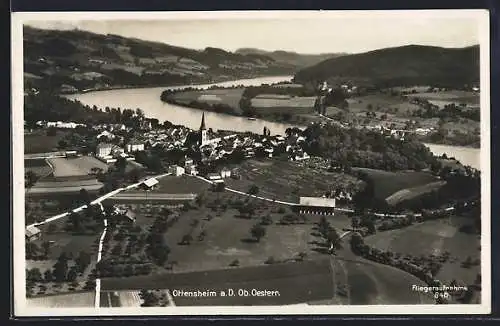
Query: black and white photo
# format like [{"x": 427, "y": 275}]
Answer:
[{"x": 251, "y": 162}]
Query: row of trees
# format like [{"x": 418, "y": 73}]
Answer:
[
  {"x": 61, "y": 272},
  {"x": 364, "y": 148}
]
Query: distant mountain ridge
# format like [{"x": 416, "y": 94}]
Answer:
[
  {"x": 80, "y": 59},
  {"x": 405, "y": 65},
  {"x": 300, "y": 60}
]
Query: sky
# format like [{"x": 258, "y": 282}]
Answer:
[{"x": 313, "y": 33}]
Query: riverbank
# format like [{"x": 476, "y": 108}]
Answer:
[
  {"x": 299, "y": 124},
  {"x": 148, "y": 99},
  {"x": 181, "y": 85}
]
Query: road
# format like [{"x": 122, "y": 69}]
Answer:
[
  {"x": 97, "y": 302},
  {"x": 44, "y": 155},
  {"x": 96, "y": 201},
  {"x": 154, "y": 196}
]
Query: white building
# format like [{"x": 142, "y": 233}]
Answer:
[
  {"x": 33, "y": 233},
  {"x": 106, "y": 134},
  {"x": 225, "y": 173},
  {"x": 104, "y": 149},
  {"x": 214, "y": 177},
  {"x": 149, "y": 183},
  {"x": 176, "y": 170},
  {"x": 316, "y": 205},
  {"x": 134, "y": 147},
  {"x": 191, "y": 169}
]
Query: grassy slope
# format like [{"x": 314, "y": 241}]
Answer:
[
  {"x": 297, "y": 59},
  {"x": 387, "y": 183},
  {"x": 435, "y": 237},
  {"x": 127, "y": 58},
  {"x": 411, "y": 65}
]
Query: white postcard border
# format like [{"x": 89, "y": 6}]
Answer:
[{"x": 20, "y": 307}]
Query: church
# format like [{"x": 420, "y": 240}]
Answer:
[{"x": 203, "y": 133}]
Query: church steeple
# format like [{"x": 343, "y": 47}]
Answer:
[
  {"x": 203, "y": 127},
  {"x": 203, "y": 131}
]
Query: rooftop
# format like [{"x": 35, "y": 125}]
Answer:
[
  {"x": 32, "y": 230},
  {"x": 150, "y": 182},
  {"x": 317, "y": 201}
]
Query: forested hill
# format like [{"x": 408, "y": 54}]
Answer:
[
  {"x": 299, "y": 60},
  {"x": 406, "y": 65},
  {"x": 80, "y": 59}
]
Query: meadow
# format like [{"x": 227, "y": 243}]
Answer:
[
  {"x": 71, "y": 300},
  {"x": 230, "y": 97},
  {"x": 387, "y": 183},
  {"x": 434, "y": 238},
  {"x": 39, "y": 142},
  {"x": 67, "y": 167},
  {"x": 286, "y": 180}
]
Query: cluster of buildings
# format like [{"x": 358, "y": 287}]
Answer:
[
  {"x": 110, "y": 153},
  {"x": 59, "y": 124},
  {"x": 251, "y": 145}
]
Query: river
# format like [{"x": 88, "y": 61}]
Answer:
[
  {"x": 465, "y": 155},
  {"x": 148, "y": 100}
]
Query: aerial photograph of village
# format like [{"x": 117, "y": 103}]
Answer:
[{"x": 212, "y": 162}]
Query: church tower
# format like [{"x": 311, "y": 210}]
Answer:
[{"x": 203, "y": 131}]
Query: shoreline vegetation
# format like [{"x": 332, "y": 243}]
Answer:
[
  {"x": 189, "y": 97},
  {"x": 182, "y": 84}
]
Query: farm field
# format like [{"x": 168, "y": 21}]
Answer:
[
  {"x": 39, "y": 142},
  {"x": 120, "y": 299},
  {"x": 38, "y": 166},
  {"x": 382, "y": 103},
  {"x": 63, "y": 187},
  {"x": 180, "y": 185},
  {"x": 435, "y": 237},
  {"x": 67, "y": 167},
  {"x": 42, "y": 206},
  {"x": 282, "y": 101},
  {"x": 227, "y": 238},
  {"x": 71, "y": 300},
  {"x": 69, "y": 243},
  {"x": 220, "y": 235},
  {"x": 310, "y": 282},
  {"x": 387, "y": 183},
  {"x": 230, "y": 97},
  {"x": 285, "y": 180},
  {"x": 409, "y": 193},
  {"x": 454, "y": 96},
  {"x": 296, "y": 282}
]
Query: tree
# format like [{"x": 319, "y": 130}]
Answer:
[
  {"x": 257, "y": 232},
  {"x": 220, "y": 187},
  {"x": 61, "y": 268},
  {"x": 253, "y": 190},
  {"x": 149, "y": 298},
  {"x": 48, "y": 275},
  {"x": 82, "y": 261},
  {"x": 85, "y": 196},
  {"x": 135, "y": 175},
  {"x": 186, "y": 239},
  {"x": 62, "y": 144},
  {"x": 333, "y": 238},
  {"x": 121, "y": 164},
  {"x": 52, "y": 228},
  {"x": 46, "y": 248},
  {"x": 72, "y": 274},
  {"x": 31, "y": 249},
  {"x": 323, "y": 226},
  {"x": 34, "y": 275},
  {"x": 30, "y": 178}
]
